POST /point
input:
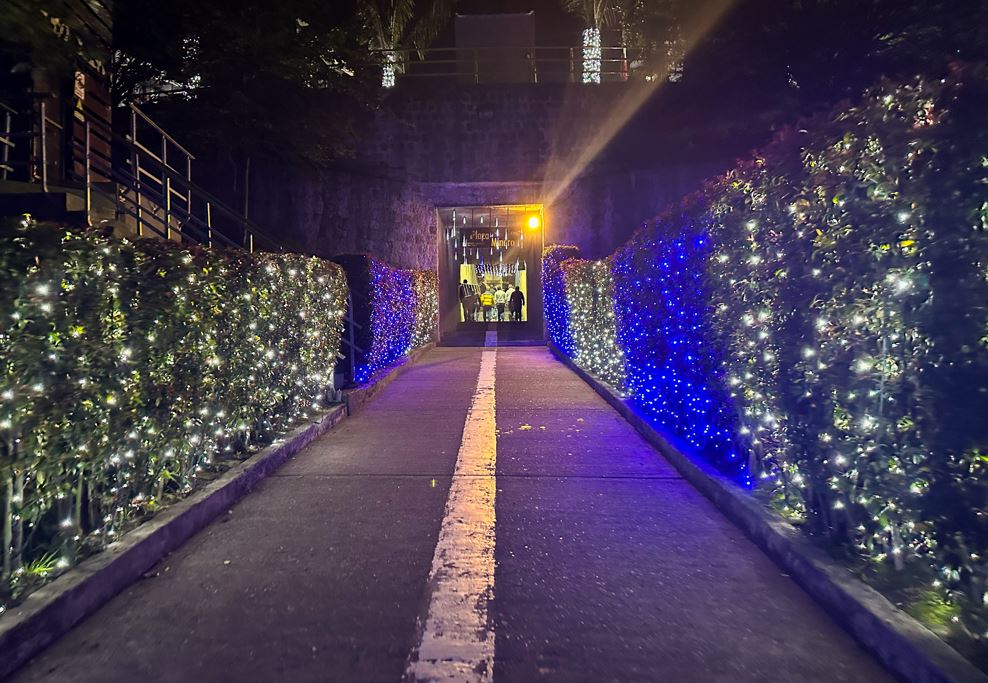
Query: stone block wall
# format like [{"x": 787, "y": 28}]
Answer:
[
  {"x": 445, "y": 144},
  {"x": 327, "y": 212}
]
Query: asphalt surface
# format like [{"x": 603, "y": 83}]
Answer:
[
  {"x": 609, "y": 567},
  {"x": 508, "y": 333}
]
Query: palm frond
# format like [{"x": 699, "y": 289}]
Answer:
[
  {"x": 402, "y": 15},
  {"x": 430, "y": 24},
  {"x": 597, "y": 13},
  {"x": 387, "y": 21},
  {"x": 580, "y": 8}
]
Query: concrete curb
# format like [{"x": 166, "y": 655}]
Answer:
[
  {"x": 907, "y": 648},
  {"x": 49, "y": 612}
]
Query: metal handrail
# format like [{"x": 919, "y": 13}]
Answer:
[
  {"x": 7, "y": 144},
  {"x": 171, "y": 188},
  {"x": 159, "y": 130},
  {"x": 498, "y": 48},
  {"x": 155, "y": 188},
  {"x": 348, "y": 345},
  {"x": 45, "y": 122},
  {"x": 204, "y": 225},
  {"x": 543, "y": 60},
  {"x": 559, "y": 63}
]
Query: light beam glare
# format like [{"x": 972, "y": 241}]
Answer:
[{"x": 573, "y": 150}]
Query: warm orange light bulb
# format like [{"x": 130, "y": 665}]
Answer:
[{"x": 534, "y": 222}]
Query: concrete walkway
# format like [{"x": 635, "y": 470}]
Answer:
[{"x": 609, "y": 567}]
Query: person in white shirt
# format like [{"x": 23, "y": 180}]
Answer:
[{"x": 500, "y": 299}]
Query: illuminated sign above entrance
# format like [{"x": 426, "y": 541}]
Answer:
[{"x": 488, "y": 239}]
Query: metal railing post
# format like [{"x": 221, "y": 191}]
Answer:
[
  {"x": 135, "y": 164},
  {"x": 351, "y": 338},
  {"x": 5, "y": 164},
  {"x": 44, "y": 146},
  {"x": 166, "y": 186},
  {"x": 572, "y": 65},
  {"x": 168, "y": 204},
  {"x": 89, "y": 177},
  {"x": 188, "y": 184}
]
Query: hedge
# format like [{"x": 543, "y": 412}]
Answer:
[
  {"x": 396, "y": 310},
  {"x": 425, "y": 283},
  {"x": 815, "y": 322},
  {"x": 589, "y": 289},
  {"x": 129, "y": 370},
  {"x": 555, "y": 304}
]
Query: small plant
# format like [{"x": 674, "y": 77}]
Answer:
[{"x": 42, "y": 566}]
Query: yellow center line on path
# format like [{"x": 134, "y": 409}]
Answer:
[{"x": 457, "y": 640}]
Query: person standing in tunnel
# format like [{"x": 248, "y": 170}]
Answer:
[
  {"x": 465, "y": 293},
  {"x": 487, "y": 303},
  {"x": 511, "y": 290},
  {"x": 515, "y": 303},
  {"x": 500, "y": 300}
]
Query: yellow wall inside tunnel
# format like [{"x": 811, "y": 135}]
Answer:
[{"x": 520, "y": 280}]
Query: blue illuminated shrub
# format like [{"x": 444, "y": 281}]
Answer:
[
  {"x": 660, "y": 306},
  {"x": 392, "y": 317},
  {"x": 816, "y": 321},
  {"x": 556, "y": 306},
  {"x": 397, "y": 310}
]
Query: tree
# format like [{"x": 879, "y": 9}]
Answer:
[
  {"x": 804, "y": 53},
  {"x": 246, "y": 76},
  {"x": 652, "y": 28},
  {"x": 812, "y": 53},
  {"x": 34, "y": 33},
  {"x": 243, "y": 80},
  {"x": 396, "y": 25},
  {"x": 598, "y": 14}
]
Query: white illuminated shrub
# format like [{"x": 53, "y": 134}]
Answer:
[{"x": 130, "y": 369}]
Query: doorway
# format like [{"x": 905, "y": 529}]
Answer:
[{"x": 490, "y": 274}]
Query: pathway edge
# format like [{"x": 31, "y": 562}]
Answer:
[
  {"x": 54, "y": 609},
  {"x": 901, "y": 643}
]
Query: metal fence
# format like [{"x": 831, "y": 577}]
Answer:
[
  {"x": 144, "y": 174},
  {"x": 541, "y": 64}
]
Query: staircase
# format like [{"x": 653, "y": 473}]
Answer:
[{"x": 138, "y": 183}]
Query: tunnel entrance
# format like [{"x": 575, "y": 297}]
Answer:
[{"x": 490, "y": 274}]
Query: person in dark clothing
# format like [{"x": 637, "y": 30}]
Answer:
[
  {"x": 467, "y": 300},
  {"x": 515, "y": 303}
]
